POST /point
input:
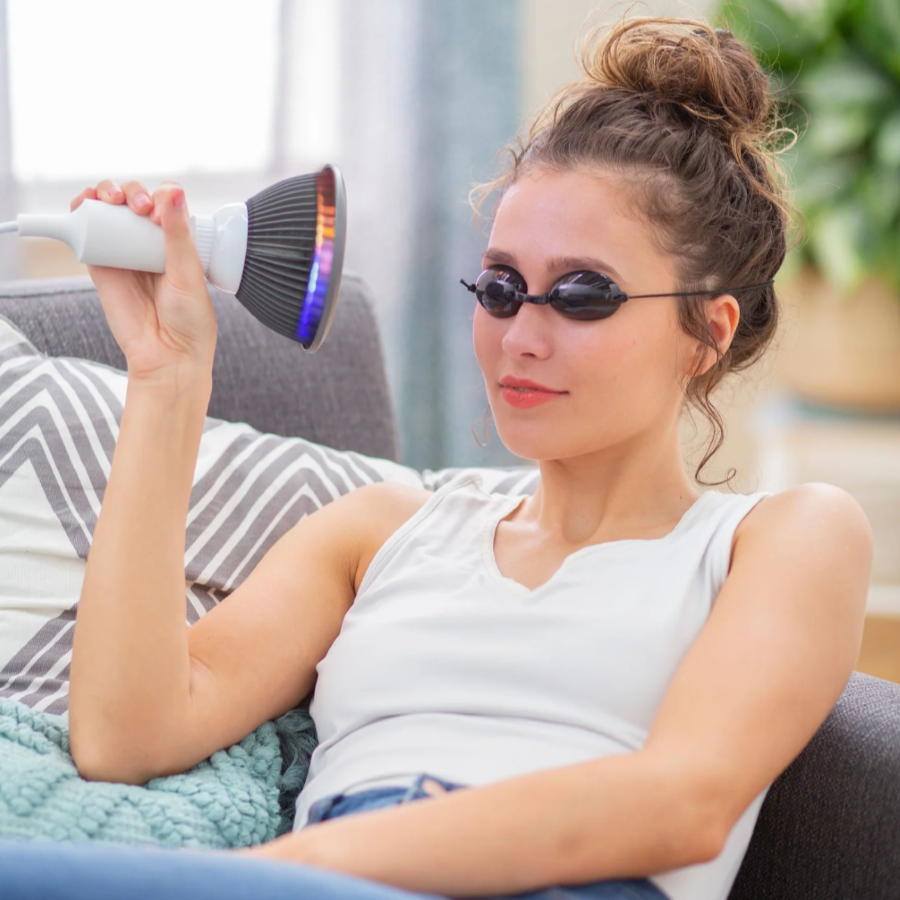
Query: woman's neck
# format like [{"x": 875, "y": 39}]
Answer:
[{"x": 638, "y": 490}]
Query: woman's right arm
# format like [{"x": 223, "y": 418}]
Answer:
[
  {"x": 130, "y": 657},
  {"x": 149, "y": 696}
]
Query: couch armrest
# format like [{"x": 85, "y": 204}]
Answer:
[{"x": 830, "y": 826}]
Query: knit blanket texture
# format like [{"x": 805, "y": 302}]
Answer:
[{"x": 240, "y": 796}]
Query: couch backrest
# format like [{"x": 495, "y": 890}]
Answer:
[{"x": 337, "y": 396}]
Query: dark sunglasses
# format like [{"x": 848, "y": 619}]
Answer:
[{"x": 578, "y": 295}]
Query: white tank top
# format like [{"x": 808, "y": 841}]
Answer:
[{"x": 445, "y": 666}]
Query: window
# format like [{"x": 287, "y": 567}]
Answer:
[{"x": 101, "y": 87}]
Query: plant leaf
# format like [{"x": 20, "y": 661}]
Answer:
[
  {"x": 838, "y": 131},
  {"x": 886, "y": 146},
  {"x": 890, "y": 261},
  {"x": 780, "y": 38},
  {"x": 847, "y": 81},
  {"x": 879, "y": 192},
  {"x": 820, "y": 182},
  {"x": 836, "y": 237},
  {"x": 877, "y": 32}
]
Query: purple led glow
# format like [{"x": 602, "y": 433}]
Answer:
[{"x": 320, "y": 271}]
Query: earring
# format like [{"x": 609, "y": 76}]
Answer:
[{"x": 484, "y": 427}]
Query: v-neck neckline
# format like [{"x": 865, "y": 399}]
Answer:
[{"x": 492, "y": 523}]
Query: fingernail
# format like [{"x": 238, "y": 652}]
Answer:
[
  {"x": 115, "y": 190},
  {"x": 141, "y": 200},
  {"x": 178, "y": 199}
]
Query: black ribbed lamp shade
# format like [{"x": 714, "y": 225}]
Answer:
[{"x": 295, "y": 252}]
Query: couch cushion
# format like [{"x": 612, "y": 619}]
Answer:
[{"x": 337, "y": 396}]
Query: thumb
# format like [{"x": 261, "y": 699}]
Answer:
[{"x": 183, "y": 264}]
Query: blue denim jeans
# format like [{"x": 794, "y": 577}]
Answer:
[
  {"x": 341, "y": 804},
  {"x": 44, "y": 870}
]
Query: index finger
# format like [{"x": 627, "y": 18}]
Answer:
[{"x": 88, "y": 193}]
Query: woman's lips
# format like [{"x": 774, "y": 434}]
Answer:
[{"x": 525, "y": 398}]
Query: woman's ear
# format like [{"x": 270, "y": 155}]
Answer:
[{"x": 722, "y": 316}]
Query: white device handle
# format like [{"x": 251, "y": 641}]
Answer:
[{"x": 102, "y": 234}]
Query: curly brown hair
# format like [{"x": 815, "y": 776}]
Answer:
[{"x": 684, "y": 113}]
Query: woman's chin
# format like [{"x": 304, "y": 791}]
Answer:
[{"x": 533, "y": 447}]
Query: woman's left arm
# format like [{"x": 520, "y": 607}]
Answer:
[{"x": 771, "y": 661}]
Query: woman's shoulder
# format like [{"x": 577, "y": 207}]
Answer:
[
  {"x": 816, "y": 527},
  {"x": 376, "y": 511},
  {"x": 386, "y": 505},
  {"x": 395, "y": 500},
  {"x": 806, "y": 508}
]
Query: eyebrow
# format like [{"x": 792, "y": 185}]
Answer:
[{"x": 495, "y": 257}]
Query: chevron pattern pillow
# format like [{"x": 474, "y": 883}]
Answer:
[{"x": 59, "y": 420}]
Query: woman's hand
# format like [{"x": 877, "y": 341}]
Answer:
[
  {"x": 295, "y": 847},
  {"x": 165, "y": 324}
]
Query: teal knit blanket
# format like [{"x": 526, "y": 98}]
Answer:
[{"x": 236, "y": 798}]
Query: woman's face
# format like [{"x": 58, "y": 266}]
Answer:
[{"x": 619, "y": 379}]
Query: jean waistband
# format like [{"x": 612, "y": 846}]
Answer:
[{"x": 335, "y": 805}]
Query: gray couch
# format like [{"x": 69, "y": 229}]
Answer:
[{"x": 830, "y": 826}]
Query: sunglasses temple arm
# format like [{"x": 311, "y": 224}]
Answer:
[{"x": 748, "y": 287}]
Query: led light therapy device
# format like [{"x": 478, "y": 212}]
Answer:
[{"x": 280, "y": 253}]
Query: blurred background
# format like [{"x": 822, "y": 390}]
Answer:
[{"x": 413, "y": 99}]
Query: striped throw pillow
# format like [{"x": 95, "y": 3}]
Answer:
[{"x": 59, "y": 420}]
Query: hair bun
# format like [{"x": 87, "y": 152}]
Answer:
[{"x": 708, "y": 72}]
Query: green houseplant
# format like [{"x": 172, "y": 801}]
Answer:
[{"x": 837, "y": 64}]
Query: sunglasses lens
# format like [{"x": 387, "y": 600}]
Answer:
[
  {"x": 586, "y": 295},
  {"x": 497, "y": 291},
  {"x": 579, "y": 295}
]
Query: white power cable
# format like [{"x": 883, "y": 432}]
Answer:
[{"x": 9, "y": 226}]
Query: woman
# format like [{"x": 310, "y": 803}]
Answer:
[{"x": 594, "y": 686}]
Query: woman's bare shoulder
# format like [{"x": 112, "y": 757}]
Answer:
[
  {"x": 377, "y": 511},
  {"x": 389, "y": 503},
  {"x": 807, "y": 507},
  {"x": 817, "y": 526}
]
